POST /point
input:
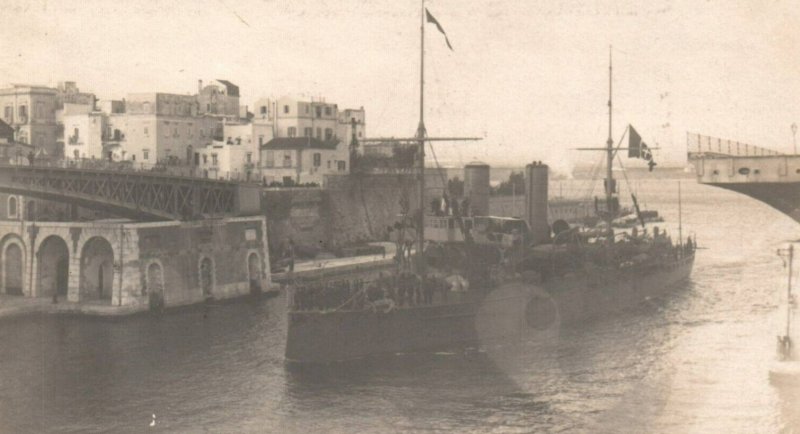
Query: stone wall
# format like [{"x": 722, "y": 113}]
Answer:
[
  {"x": 350, "y": 209},
  {"x": 361, "y": 207},
  {"x": 137, "y": 260},
  {"x": 295, "y": 213}
]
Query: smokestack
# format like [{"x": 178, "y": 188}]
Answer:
[
  {"x": 536, "y": 179},
  {"x": 476, "y": 187}
]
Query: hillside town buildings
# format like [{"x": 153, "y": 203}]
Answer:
[{"x": 284, "y": 140}]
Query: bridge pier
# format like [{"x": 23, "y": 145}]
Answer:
[{"x": 120, "y": 265}]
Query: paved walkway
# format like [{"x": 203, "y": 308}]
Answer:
[
  {"x": 15, "y": 305},
  {"x": 315, "y": 266}
]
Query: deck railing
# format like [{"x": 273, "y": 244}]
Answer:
[{"x": 701, "y": 146}]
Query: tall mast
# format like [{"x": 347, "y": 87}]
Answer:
[
  {"x": 789, "y": 292},
  {"x": 609, "y": 150},
  {"x": 421, "y": 137},
  {"x": 680, "y": 218}
]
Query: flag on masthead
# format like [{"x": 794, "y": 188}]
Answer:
[
  {"x": 638, "y": 149},
  {"x": 433, "y": 20}
]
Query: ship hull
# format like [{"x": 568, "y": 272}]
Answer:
[{"x": 511, "y": 309}]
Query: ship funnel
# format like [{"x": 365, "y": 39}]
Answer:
[
  {"x": 476, "y": 187},
  {"x": 536, "y": 179}
]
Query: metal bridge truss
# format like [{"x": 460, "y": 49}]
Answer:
[{"x": 142, "y": 195}]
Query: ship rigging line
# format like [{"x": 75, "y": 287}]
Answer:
[{"x": 597, "y": 167}]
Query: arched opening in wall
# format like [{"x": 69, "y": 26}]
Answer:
[
  {"x": 13, "y": 266},
  {"x": 155, "y": 286},
  {"x": 12, "y": 207},
  {"x": 254, "y": 272},
  {"x": 97, "y": 269},
  {"x": 52, "y": 272},
  {"x": 207, "y": 276},
  {"x": 31, "y": 211}
]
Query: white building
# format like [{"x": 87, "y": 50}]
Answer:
[
  {"x": 235, "y": 157},
  {"x": 84, "y": 134},
  {"x": 301, "y": 141}
]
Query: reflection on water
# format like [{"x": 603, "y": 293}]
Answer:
[{"x": 697, "y": 362}]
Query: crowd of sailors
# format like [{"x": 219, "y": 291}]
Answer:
[{"x": 384, "y": 293}]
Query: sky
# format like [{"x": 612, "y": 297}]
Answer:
[{"x": 529, "y": 77}]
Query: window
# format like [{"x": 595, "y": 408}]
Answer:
[
  {"x": 270, "y": 158},
  {"x": 307, "y": 132},
  {"x": 213, "y": 159},
  {"x": 260, "y": 141},
  {"x": 342, "y": 165},
  {"x": 175, "y": 132},
  {"x": 317, "y": 159},
  {"x": 145, "y": 154},
  {"x": 39, "y": 111},
  {"x": 146, "y": 131},
  {"x": 8, "y": 114},
  {"x": 12, "y": 207},
  {"x": 291, "y": 131},
  {"x": 286, "y": 109},
  {"x": 287, "y": 159},
  {"x": 205, "y": 159},
  {"x": 249, "y": 157},
  {"x": 319, "y": 112},
  {"x": 319, "y": 133},
  {"x": 327, "y": 111},
  {"x": 263, "y": 110},
  {"x": 76, "y": 154},
  {"x": 75, "y": 133},
  {"x": 23, "y": 113},
  {"x": 329, "y": 164},
  {"x": 328, "y": 134}
]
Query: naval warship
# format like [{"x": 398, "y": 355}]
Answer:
[{"x": 476, "y": 278}]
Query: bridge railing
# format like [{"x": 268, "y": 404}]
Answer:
[
  {"x": 702, "y": 146},
  {"x": 147, "y": 168}
]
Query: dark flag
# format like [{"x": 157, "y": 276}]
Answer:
[
  {"x": 433, "y": 20},
  {"x": 638, "y": 149}
]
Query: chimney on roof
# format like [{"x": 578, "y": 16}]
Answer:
[{"x": 199, "y": 86}]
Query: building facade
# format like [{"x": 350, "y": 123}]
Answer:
[
  {"x": 234, "y": 158},
  {"x": 218, "y": 98},
  {"x": 84, "y": 135},
  {"x": 31, "y": 112},
  {"x": 161, "y": 128},
  {"x": 301, "y": 141}
]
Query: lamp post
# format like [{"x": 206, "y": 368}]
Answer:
[{"x": 794, "y": 137}]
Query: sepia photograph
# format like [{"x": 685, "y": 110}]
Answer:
[{"x": 413, "y": 216}]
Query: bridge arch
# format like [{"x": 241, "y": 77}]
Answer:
[
  {"x": 96, "y": 269},
  {"x": 207, "y": 275},
  {"x": 52, "y": 271},
  {"x": 12, "y": 265}
]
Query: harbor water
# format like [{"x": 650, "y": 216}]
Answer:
[{"x": 696, "y": 362}]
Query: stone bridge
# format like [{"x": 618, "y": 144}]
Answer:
[
  {"x": 124, "y": 264},
  {"x": 140, "y": 195}
]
